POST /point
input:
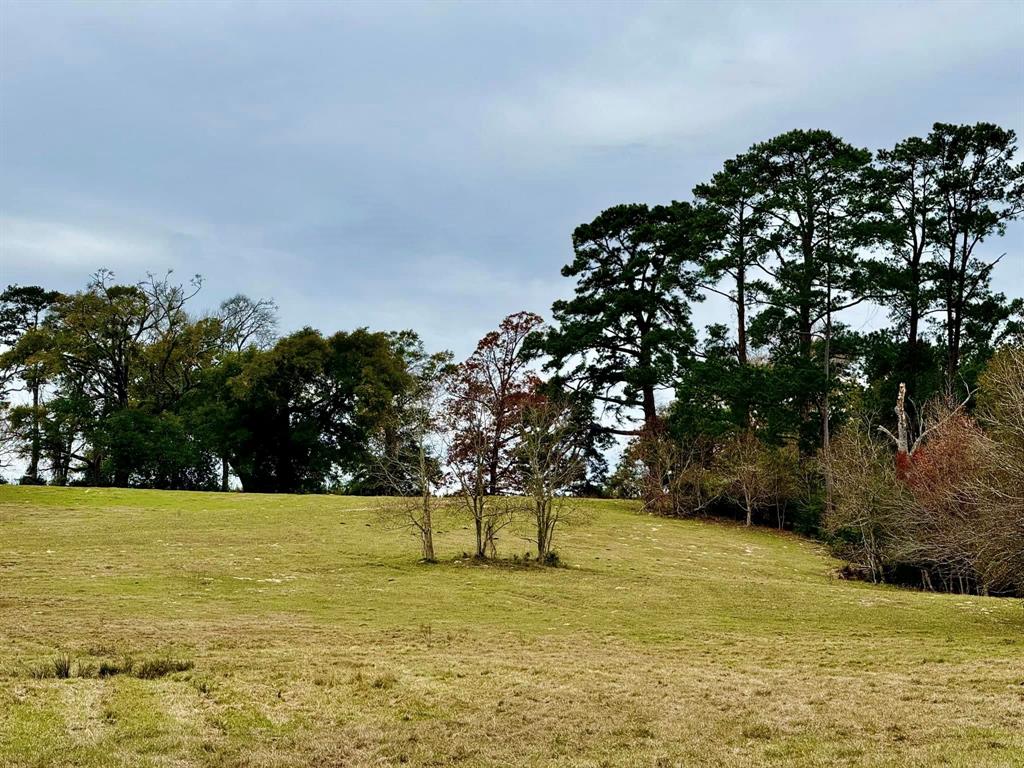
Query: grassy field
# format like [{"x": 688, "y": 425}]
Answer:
[{"x": 314, "y": 638}]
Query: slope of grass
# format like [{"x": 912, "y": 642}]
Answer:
[{"x": 303, "y": 633}]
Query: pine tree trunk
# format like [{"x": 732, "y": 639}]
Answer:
[
  {"x": 650, "y": 409},
  {"x": 741, "y": 317},
  {"x": 33, "y": 465}
]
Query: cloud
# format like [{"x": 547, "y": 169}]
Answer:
[
  {"x": 426, "y": 166},
  {"x": 666, "y": 77},
  {"x": 37, "y": 244}
]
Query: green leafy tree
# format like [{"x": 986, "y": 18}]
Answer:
[
  {"x": 124, "y": 349},
  {"x": 23, "y": 310},
  {"x": 718, "y": 394},
  {"x": 813, "y": 186},
  {"x": 296, "y": 417},
  {"x": 979, "y": 190}
]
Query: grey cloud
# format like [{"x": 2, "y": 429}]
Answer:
[{"x": 423, "y": 164}]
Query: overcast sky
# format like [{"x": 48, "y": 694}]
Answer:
[{"x": 423, "y": 165}]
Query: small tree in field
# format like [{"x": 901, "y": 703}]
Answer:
[
  {"x": 551, "y": 460},
  {"x": 486, "y": 395},
  {"x": 405, "y": 449},
  {"x": 468, "y": 454},
  {"x": 414, "y": 461},
  {"x": 416, "y": 512}
]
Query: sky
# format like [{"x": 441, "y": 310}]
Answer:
[{"x": 423, "y": 165}]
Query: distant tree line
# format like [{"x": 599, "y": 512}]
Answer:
[{"x": 774, "y": 417}]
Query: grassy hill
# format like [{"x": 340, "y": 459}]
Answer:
[{"x": 314, "y": 638}]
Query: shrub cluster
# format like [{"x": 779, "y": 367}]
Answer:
[{"x": 949, "y": 514}]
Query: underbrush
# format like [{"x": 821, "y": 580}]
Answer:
[{"x": 526, "y": 560}]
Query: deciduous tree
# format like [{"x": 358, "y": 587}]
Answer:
[{"x": 550, "y": 459}]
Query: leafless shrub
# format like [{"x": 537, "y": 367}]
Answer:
[
  {"x": 754, "y": 475},
  {"x": 550, "y": 461},
  {"x": 672, "y": 479},
  {"x": 866, "y": 519}
]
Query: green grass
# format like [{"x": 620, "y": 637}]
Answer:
[{"x": 315, "y": 638}]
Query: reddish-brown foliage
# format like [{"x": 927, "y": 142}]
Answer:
[{"x": 946, "y": 463}]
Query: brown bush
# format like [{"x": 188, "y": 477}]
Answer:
[{"x": 954, "y": 508}]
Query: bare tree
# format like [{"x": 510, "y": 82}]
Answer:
[
  {"x": 1000, "y": 492},
  {"x": 674, "y": 478},
  {"x": 248, "y": 322},
  {"x": 412, "y": 512},
  {"x": 551, "y": 460},
  {"x": 929, "y": 419},
  {"x": 8, "y": 440},
  {"x": 867, "y": 520},
  {"x": 951, "y": 503},
  {"x": 405, "y": 449},
  {"x": 752, "y": 475}
]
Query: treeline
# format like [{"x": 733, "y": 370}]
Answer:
[
  {"x": 809, "y": 240},
  {"x": 794, "y": 235},
  {"x": 124, "y": 386},
  {"x": 948, "y": 513}
]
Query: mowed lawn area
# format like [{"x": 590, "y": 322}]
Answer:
[{"x": 315, "y": 638}]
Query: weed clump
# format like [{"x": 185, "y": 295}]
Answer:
[
  {"x": 383, "y": 681},
  {"x": 150, "y": 669},
  {"x": 552, "y": 559},
  {"x": 123, "y": 666},
  {"x": 59, "y": 667}
]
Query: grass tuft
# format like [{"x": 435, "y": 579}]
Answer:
[
  {"x": 758, "y": 731},
  {"x": 61, "y": 666},
  {"x": 384, "y": 681},
  {"x": 150, "y": 669},
  {"x": 58, "y": 667},
  {"x": 122, "y": 666}
]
